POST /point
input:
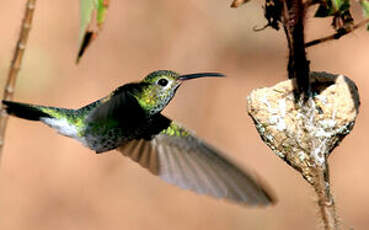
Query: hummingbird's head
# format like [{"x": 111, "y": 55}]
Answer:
[{"x": 159, "y": 88}]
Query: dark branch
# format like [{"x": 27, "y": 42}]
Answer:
[
  {"x": 337, "y": 35},
  {"x": 298, "y": 66}
]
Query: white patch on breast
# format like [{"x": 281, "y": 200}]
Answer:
[{"x": 63, "y": 127}]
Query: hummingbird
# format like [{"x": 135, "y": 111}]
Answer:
[{"x": 129, "y": 120}]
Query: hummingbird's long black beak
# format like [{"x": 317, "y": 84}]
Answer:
[{"x": 198, "y": 75}]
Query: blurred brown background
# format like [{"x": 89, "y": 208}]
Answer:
[{"x": 48, "y": 181}]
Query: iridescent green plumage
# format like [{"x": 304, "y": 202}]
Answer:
[{"x": 130, "y": 120}]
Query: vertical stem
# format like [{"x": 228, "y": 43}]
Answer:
[
  {"x": 325, "y": 199},
  {"x": 15, "y": 66},
  {"x": 293, "y": 16},
  {"x": 301, "y": 63}
]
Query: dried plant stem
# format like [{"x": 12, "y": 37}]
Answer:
[
  {"x": 325, "y": 199},
  {"x": 337, "y": 35},
  {"x": 15, "y": 66},
  {"x": 316, "y": 172},
  {"x": 238, "y": 3},
  {"x": 293, "y": 15}
]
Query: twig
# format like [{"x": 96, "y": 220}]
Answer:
[
  {"x": 325, "y": 199},
  {"x": 293, "y": 15},
  {"x": 238, "y": 3},
  {"x": 337, "y": 35},
  {"x": 285, "y": 20},
  {"x": 15, "y": 66}
]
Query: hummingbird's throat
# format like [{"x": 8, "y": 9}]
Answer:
[
  {"x": 154, "y": 98},
  {"x": 152, "y": 104}
]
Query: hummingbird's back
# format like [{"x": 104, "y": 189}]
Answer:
[{"x": 114, "y": 120}]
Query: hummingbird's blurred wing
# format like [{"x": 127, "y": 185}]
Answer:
[{"x": 180, "y": 158}]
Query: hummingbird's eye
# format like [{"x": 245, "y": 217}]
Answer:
[{"x": 163, "y": 82}]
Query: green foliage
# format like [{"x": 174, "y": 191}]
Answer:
[
  {"x": 93, "y": 14},
  {"x": 365, "y": 6},
  {"x": 340, "y": 10},
  {"x": 332, "y": 7},
  {"x": 102, "y": 6},
  {"x": 87, "y": 8}
]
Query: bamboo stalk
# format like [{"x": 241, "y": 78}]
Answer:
[{"x": 15, "y": 66}]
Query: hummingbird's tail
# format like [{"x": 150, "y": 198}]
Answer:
[
  {"x": 63, "y": 120},
  {"x": 25, "y": 111},
  {"x": 60, "y": 119}
]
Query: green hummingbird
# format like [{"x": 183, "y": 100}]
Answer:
[{"x": 130, "y": 120}]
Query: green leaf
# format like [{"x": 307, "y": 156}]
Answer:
[
  {"x": 365, "y": 5},
  {"x": 332, "y": 7},
  {"x": 344, "y": 6},
  {"x": 336, "y": 4},
  {"x": 93, "y": 14},
  {"x": 102, "y": 6},
  {"x": 87, "y": 7}
]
